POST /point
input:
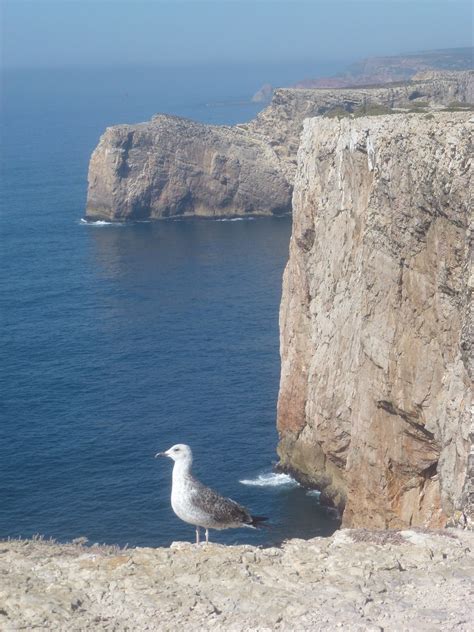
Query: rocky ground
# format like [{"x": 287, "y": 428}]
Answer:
[{"x": 355, "y": 580}]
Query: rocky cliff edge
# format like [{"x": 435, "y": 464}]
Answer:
[{"x": 359, "y": 581}]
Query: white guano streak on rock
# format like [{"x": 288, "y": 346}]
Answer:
[{"x": 370, "y": 152}]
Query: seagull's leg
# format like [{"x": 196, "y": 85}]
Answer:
[
  {"x": 197, "y": 535},
  {"x": 207, "y": 536}
]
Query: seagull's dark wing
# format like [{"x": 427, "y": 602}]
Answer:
[{"x": 223, "y": 510}]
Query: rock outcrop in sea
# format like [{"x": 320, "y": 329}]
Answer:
[
  {"x": 376, "y": 319},
  {"x": 264, "y": 95},
  {"x": 173, "y": 167}
]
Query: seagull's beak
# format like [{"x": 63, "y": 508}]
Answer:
[{"x": 161, "y": 454}]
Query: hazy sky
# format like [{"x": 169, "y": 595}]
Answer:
[{"x": 104, "y": 32}]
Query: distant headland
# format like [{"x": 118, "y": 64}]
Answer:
[
  {"x": 390, "y": 69},
  {"x": 173, "y": 167}
]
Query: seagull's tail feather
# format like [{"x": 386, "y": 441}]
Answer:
[{"x": 257, "y": 522}]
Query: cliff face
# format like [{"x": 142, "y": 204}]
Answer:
[
  {"x": 175, "y": 167},
  {"x": 375, "y": 333},
  {"x": 172, "y": 167}
]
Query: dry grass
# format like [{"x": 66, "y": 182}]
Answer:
[{"x": 75, "y": 547}]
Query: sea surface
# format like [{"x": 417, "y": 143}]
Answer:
[{"x": 120, "y": 340}]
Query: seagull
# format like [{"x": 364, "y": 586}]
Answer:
[{"x": 199, "y": 505}]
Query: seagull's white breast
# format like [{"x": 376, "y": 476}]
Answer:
[{"x": 182, "y": 503}]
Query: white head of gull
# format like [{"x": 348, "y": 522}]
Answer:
[{"x": 199, "y": 505}]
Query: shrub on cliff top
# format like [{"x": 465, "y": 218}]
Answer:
[
  {"x": 372, "y": 109},
  {"x": 456, "y": 106},
  {"x": 336, "y": 112}
]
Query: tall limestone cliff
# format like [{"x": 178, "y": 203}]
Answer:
[
  {"x": 171, "y": 167},
  {"x": 376, "y": 337}
]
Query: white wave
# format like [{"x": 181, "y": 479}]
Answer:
[
  {"x": 313, "y": 492},
  {"x": 100, "y": 222},
  {"x": 235, "y": 219},
  {"x": 270, "y": 479}
]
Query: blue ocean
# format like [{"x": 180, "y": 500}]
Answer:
[{"x": 121, "y": 340}]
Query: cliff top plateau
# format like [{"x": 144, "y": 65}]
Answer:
[{"x": 359, "y": 581}]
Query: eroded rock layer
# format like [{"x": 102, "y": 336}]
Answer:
[{"x": 375, "y": 334}]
